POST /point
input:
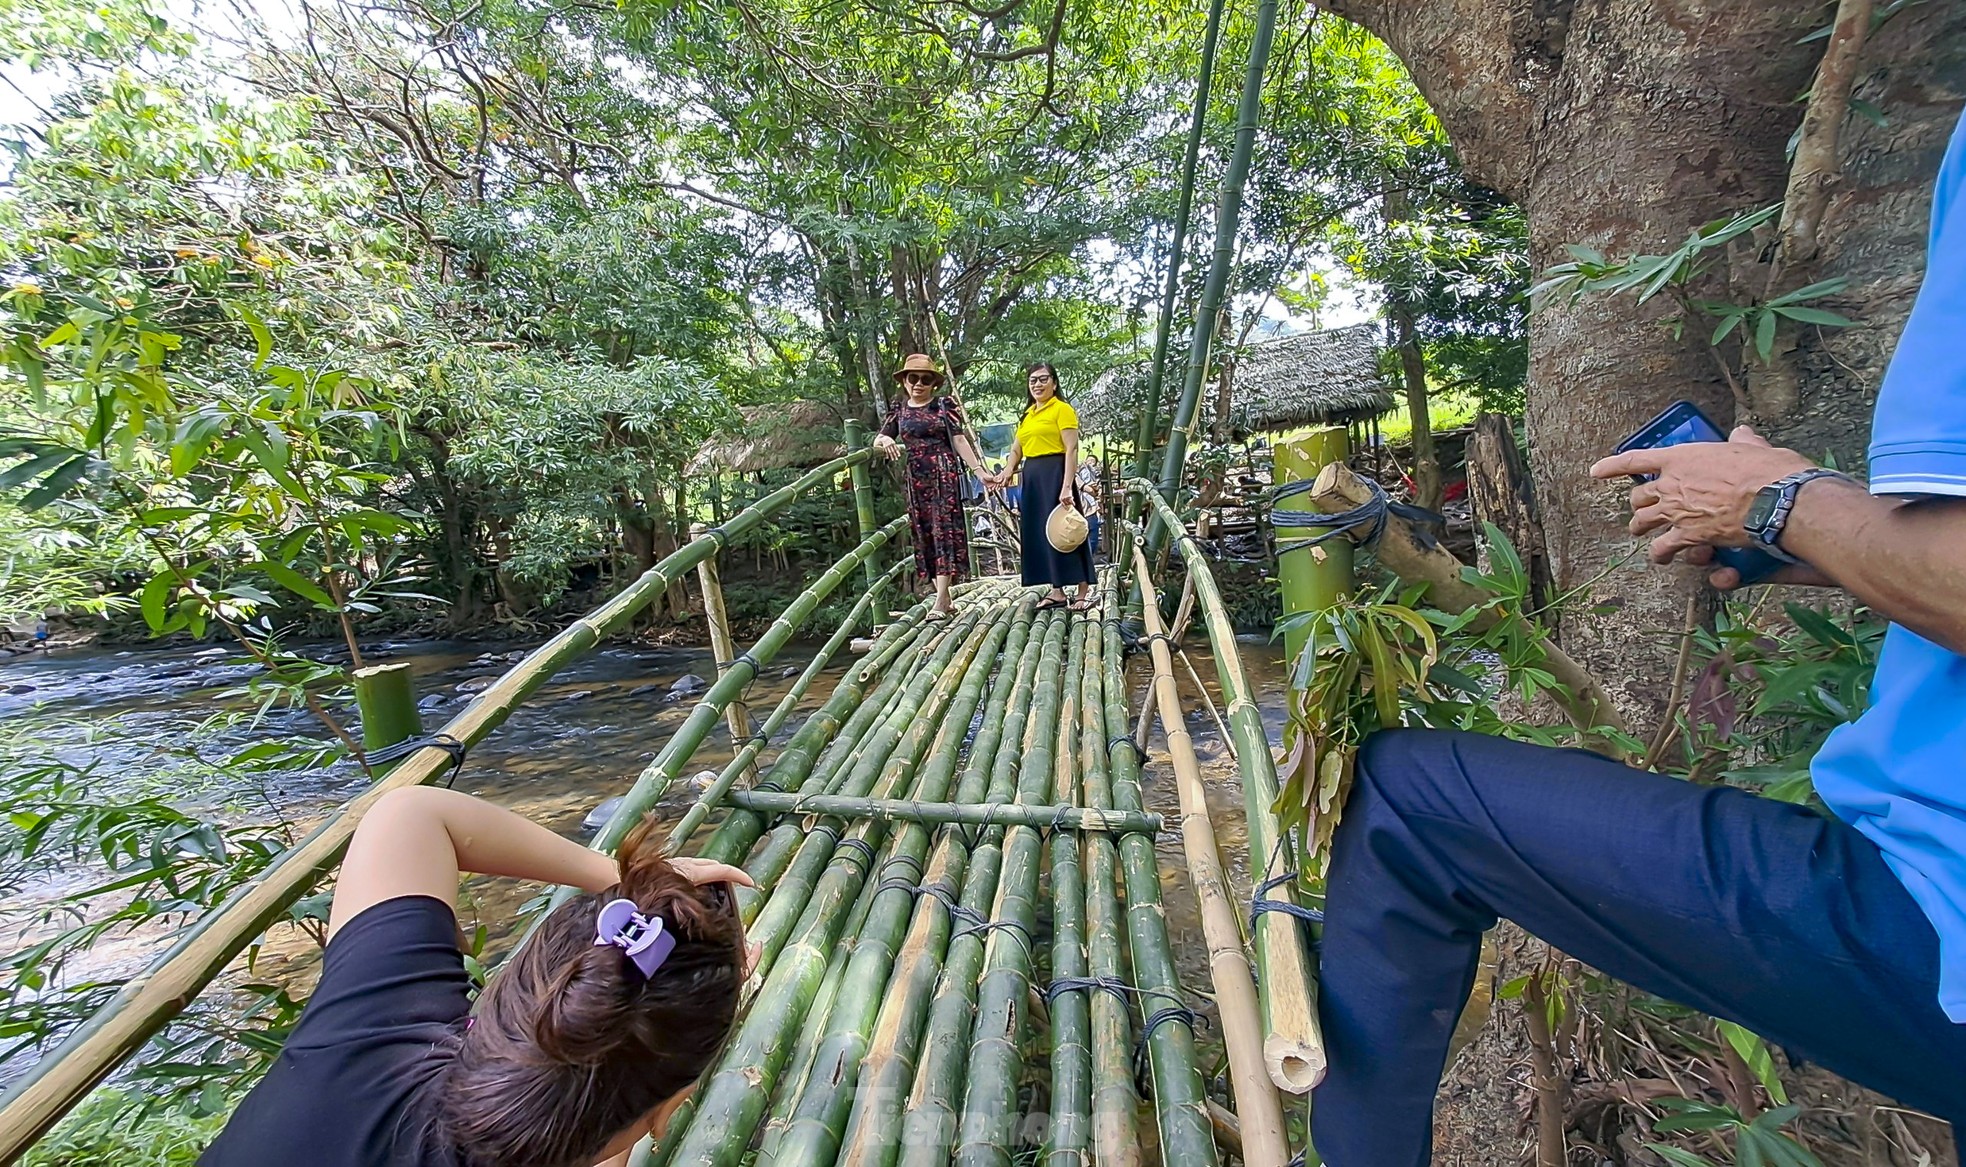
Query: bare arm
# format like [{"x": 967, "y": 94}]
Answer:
[
  {"x": 968, "y": 454},
  {"x": 418, "y": 840},
  {"x": 1011, "y": 460}
]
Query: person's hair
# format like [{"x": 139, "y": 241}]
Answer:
[
  {"x": 1057, "y": 386},
  {"x": 569, "y": 1045}
]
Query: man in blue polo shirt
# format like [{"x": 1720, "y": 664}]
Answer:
[{"x": 1843, "y": 939}]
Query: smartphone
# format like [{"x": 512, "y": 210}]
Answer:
[{"x": 1680, "y": 423}]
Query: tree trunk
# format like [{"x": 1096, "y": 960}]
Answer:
[
  {"x": 1498, "y": 486},
  {"x": 1413, "y": 374},
  {"x": 1621, "y": 125}
]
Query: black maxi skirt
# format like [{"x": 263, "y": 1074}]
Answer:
[{"x": 1042, "y": 477}]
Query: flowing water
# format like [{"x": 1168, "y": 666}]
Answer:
[{"x": 580, "y": 739}]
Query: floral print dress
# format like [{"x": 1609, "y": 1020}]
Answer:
[{"x": 935, "y": 505}]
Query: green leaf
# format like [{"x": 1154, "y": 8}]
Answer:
[
  {"x": 1764, "y": 334},
  {"x": 1678, "y": 1157},
  {"x": 262, "y": 336},
  {"x": 296, "y": 583},
  {"x": 1754, "y": 1053},
  {"x": 60, "y": 336},
  {"x": 34, "y": 467},
  {"x": 156, "y": 600},
  {"x": 1822, "y": 316},
  {"x": 56, "y": 484}
]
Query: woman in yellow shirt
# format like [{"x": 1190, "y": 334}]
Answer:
[{"x": 1047, "y": 449}]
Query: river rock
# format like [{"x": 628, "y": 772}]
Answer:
[
  {"x": 476, "y": 684},
  {"x": 16, "y": 690},
  {"x": 578, "y": 695},
  {"x": 702, "y": 779},
  {"x": 434, "y": 701},
  {"x": 599, "y": 816},
  {"x": 687, "y": 684},
  {"x": 516, "y": 655},
  {"x": 789, "y": 672},
  {"x": 644, "y": 690},
  {"x": 212, "y": 654}
]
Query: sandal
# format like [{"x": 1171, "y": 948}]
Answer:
[
  {"x": 1048, "y": 604},
  {"x": 1083, "y": 604},
  {"x": 938, "y": 615}
]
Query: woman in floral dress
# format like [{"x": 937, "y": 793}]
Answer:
[{"x": 929, "y": 428}]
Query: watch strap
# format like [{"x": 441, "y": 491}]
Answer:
[{"x": 1769, "y": 534}]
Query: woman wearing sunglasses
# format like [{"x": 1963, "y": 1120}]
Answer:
[
  {"x": 585, "y": 1041},
  {"x": 930, "y": 428}
]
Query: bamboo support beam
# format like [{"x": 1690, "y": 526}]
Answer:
[
  {"x": 1402, "y": 551},
  {"x": 1068, "y": 1136},
  {"x": 1294, "y": 1051},
  {"x": 1257, "y": 1102},
  {"x": 1055, "y": 818},
  {"x": 149, "y": 1000},
  {"x": 723, "y": 648}
]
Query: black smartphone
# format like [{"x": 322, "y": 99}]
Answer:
[{"x": 1680, "y": 423}]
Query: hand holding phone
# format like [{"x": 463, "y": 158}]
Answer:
[{"x": 1679, "y": 424}]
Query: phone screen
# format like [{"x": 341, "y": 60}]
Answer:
[{"x": 1681, "y": 423}]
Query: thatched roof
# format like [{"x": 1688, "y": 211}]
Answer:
[
  {"x": 1312, "y": 378},
  {"x": 778, "y": 436}
]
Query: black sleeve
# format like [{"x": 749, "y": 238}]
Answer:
[
  {"x": 395, "y": 964},
  {"x": 892, "y": 426},
  {"x": 346, "y": 1087}
]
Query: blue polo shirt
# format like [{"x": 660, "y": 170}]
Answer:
[{"x": 1898, "y": 773}]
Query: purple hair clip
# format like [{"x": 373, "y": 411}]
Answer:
[{"x": 646, "y": 941}]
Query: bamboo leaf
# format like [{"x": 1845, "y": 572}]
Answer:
[
  {"x": 156, "y": 599},
  {"x": 295, "y": 582}
]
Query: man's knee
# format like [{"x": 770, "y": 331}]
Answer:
[{"x": 1410, "y": 767}]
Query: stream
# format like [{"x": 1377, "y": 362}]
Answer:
[{"x": 580, "y": 739}]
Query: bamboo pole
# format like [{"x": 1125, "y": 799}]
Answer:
[
  {"x": 863, "y": 494},
  {"x": 1310, "y": 578},
  {"x": 386, "y": 696},
  {"x": 733, "y": 1098},
  {"x": 1257, "y": 1103},
  {"x": 929, "y": 1125},
  {"x": 818, "y": 1122},
  {"x": 1228, "y": 217},
  {"x": 996, "y": 1057},
  {"x": 1403, "y": 552},
  {"x": 1178, "y": 1089},
  {"x": 1115, "y": 1131},
  {"x": 1295, "y": 1048},
  {"x": 148, "y": 1001},
  {"x": 871, "y": 1137},
  {"x": 999, "y": 814},
  {"x": 746, "y": 757},
  {"x": 1177, "y": 245},
  {"x": 723, "y": 648},
  {"x": 1068, "y": 1138}
]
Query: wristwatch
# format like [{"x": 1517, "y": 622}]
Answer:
[{"x": 1769, "y": 514}]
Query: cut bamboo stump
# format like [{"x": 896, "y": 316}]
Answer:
[
  {"x": 1257, "y": 1102},
  {"x": 386, "y": 697},
  {"x": 1310, "y": 578},
  {"x": 1402, "y": 551}
]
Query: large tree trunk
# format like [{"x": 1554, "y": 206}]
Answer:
[{"x": 1621, "y": 125}]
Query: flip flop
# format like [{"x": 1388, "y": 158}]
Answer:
[
  {"x": 937, "y": 615},
  {"x": 1084, "y": 605},
  {"x": 1048, "y": 604}
]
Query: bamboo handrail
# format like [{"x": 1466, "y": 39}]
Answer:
[
  {"x": 1257, "y": 1102},
  {"x": 1295, "y": 1049},
  {"x": 978, "y": 814},
  {"x": 147, "y": 1002}
]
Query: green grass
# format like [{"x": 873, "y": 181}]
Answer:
[
  {"x": 1446, "y": 411},
  {"x": 112, "y": 1130}
]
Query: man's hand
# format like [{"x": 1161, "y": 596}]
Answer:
[
  {"x": 1726, "y": 579},
  {"x": 1702, "y": 491}
]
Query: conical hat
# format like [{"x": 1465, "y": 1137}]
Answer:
[{"x": 1066, "y": 529}]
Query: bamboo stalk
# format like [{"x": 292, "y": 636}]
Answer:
[
  {"x": 1115, "y": 1132},
  {"x": 999, "y": 814},
  {"x": 1295, "y": 1048},
  {"x": 149, "y": 1000},
  {"x": 723, "y": 648},
  {"x": 818, "y": 1122},
  {"x": 1403, "y": 552},
  {"x": 863, "y": 494},
  {"x": 1068, "y": 1138},
  {"x": 1228, "y": 217},
  {"x": 733, "y": 1098},
  {"x": 1257, "y": 1103},
  {"x": 996, "y": 1057},
  {"x": 386, "y": 696},
  {"x": 1179, "y": 1093},
  {"x": 930, "y": 1123},
  {"x": 742, "y": 763}
]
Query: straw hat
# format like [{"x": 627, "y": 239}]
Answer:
[
  {"x": 1066, "y": 529},
  {"x": 918, "y": 363}
]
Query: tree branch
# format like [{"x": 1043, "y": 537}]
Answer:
[{"x": 1815, "y": 167}]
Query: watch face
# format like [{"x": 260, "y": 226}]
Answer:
[{"x": 1762, "y": 509}]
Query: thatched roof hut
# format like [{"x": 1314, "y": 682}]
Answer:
[
  {"x": 795, "y": 434},
  {"x": 1312, "y": 378}
]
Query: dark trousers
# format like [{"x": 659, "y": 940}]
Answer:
[{"x": 1766, "y": 914}]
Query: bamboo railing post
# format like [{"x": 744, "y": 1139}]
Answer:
[
  {"x": 147, "y": 1002},
  {"x": 736, "y": 714},
  {"x": 1310, "y": 578},
  {"x": 863, "y": 495},
  {"x": 386, "y": 697},
  {"x": 1294, "y": 1050},
  {"x": 1257, "y": 1103}
]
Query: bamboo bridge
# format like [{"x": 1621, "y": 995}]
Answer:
[{"x": 959, "y": 904}]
